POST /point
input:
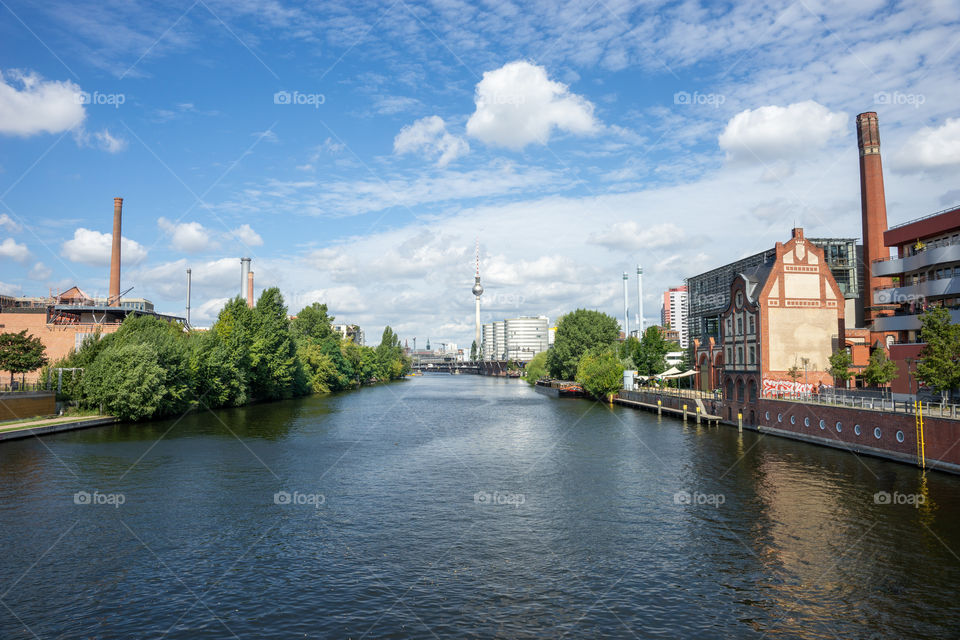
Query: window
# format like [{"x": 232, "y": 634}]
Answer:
[
  {"x": 739, "y": 326},
  {"x": 899, "y": 436},
  {"x": 753, "y": 355},
  {"x": 839, "y": 427},
  {"x": 823, "y": 425},
  {"x": 806, "y": 422},
  {"x": 753, "y": 324},
  {"x": 877, "y": 433},
  {"x": 856, "y": 429},
  {"x": 739, "y": 355},
  {"x": 779, "y": 417}
]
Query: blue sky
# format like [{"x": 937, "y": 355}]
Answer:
[{"x": 356, "y": 151}]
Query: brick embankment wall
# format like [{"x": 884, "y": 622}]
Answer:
[
  {"x": 14, "y": 406},
  {"x": 880, "y": 434}
]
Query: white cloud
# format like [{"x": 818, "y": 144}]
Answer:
[
  {"x": 190, "y": 237},
  {"x": 10, "y": 249},
  {"x": 772, "y": 132},
  {"x": 9, "y": 223},
  {"x": 38, "y": 106},
  {"x": 93, "y": 248},
  {"x": 39, "y": 271},
  {"x": 245, "y": 234},
  {"x": 932, "y": 147},
  {"x": 430, "y": 136},
  {"x": 7, "y": 289},
  {"x": 518, "y": 104},
  {"x": 633, "y": 236},
  {"x": 108, "y": 143}
]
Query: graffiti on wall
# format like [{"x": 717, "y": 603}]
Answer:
[{"x": 772, "y": 386}]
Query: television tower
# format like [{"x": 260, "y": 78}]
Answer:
[{"x": 477, "y": 292}]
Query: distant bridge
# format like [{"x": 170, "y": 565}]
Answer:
[{"x": 479, "y": 367}]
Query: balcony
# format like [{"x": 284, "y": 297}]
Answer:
[
  {"x": 906, "y": 322},
  {"x": 918, "y": 292},
  {"x": 922, "y": 260}
]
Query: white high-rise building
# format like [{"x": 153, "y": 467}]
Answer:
[
  {"x": 526, "y": 337},
  {"x": 673, "y": 314},
  {"x": 488, "y": 349}
]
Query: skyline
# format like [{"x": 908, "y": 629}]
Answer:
[{"x": 356, "y": 154}]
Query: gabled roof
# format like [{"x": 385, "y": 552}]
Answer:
[
  {"x": 756, "y": 278},
  {"x": 73, "y": 293}
]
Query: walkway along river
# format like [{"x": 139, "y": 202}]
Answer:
[{"x": 465, "y": 506}]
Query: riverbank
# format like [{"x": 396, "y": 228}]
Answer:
[{"x": 51, "y": 425}]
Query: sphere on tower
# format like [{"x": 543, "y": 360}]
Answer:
[{"x": 477, "y": 288}]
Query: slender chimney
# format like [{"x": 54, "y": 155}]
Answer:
[
  {"x": 626, "y": 308},
  {"x": 244, "y": 270},
  {"x": 250, "y": 289},
  {"x": 873, "y": 207},
  {"x": 188, "y": 297},
  {"x": 640, "y": 299},
  {"x": 114, "y": 298}
]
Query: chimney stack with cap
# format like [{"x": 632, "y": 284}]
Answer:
[
  {"x": 114, "y": 299},
  {"x": 873, "y": 207},
  {"x": 250, "y": 289}
]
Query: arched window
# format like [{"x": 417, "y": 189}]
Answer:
[
  {"x": 740, "y": 390},
  {"x": 752, "y": 388},
  {"x": 729, "y": 389}
]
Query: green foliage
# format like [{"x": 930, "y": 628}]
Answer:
[
  {"x": 273, "y": 354},
  {"x": 577, "y": 332},
  {"x": 537, "y": 368},
  {"x": 939, "y": 366},
  {"x": 152, "y": 368},
  {"x": 127, "y": 381},
  {"x": 880, "y": 370},
  {"x": 600, "y": 372},
  {"x": 795, "y": 372},
  {"x": 840, "y": 363},
  {"x": 473, "y": 351},
  {"x": 650, "y": 353},
  {"x": 313, "y": 323},
  {"x": 20, "y": 353}
]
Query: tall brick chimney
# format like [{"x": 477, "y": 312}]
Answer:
[
  {"x": 873, "y": 207},
  {"x": 250, "y": 289},
  {"x": 114, "y": 299}
]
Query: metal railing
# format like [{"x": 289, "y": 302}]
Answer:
[
  {"x": 930, "y": 215},
  {"x": 17, "y": 387},
  {"x": 930, "y": 409}
]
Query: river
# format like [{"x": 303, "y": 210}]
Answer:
[{"x": 468, "y": 507}]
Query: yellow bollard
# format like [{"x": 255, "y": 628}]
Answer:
[
  {"x": 698, "y": 414},
  {"x": 659, "y": 407},
  {"x": 739, "y": 421},
  {"x": 684, "y": 413}
]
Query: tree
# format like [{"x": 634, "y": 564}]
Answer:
[
  {"x": 537, "y": 368},
  {"x": 651, "y": 353},
  {"x": 20, "y": 353},
  {"x": 840, "y": 363},
  {"x": 127, "y": 381},
  {"x": 600, "y": 372},
  {"x": 313, "y": 323},
  {"x": 577, "y": 332},
  {"x": 273, "y": 354},
  {"x": 473, "y": 351},
  {"x": 880, "y": 370},
  {"x": 939, "y": 366}
]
